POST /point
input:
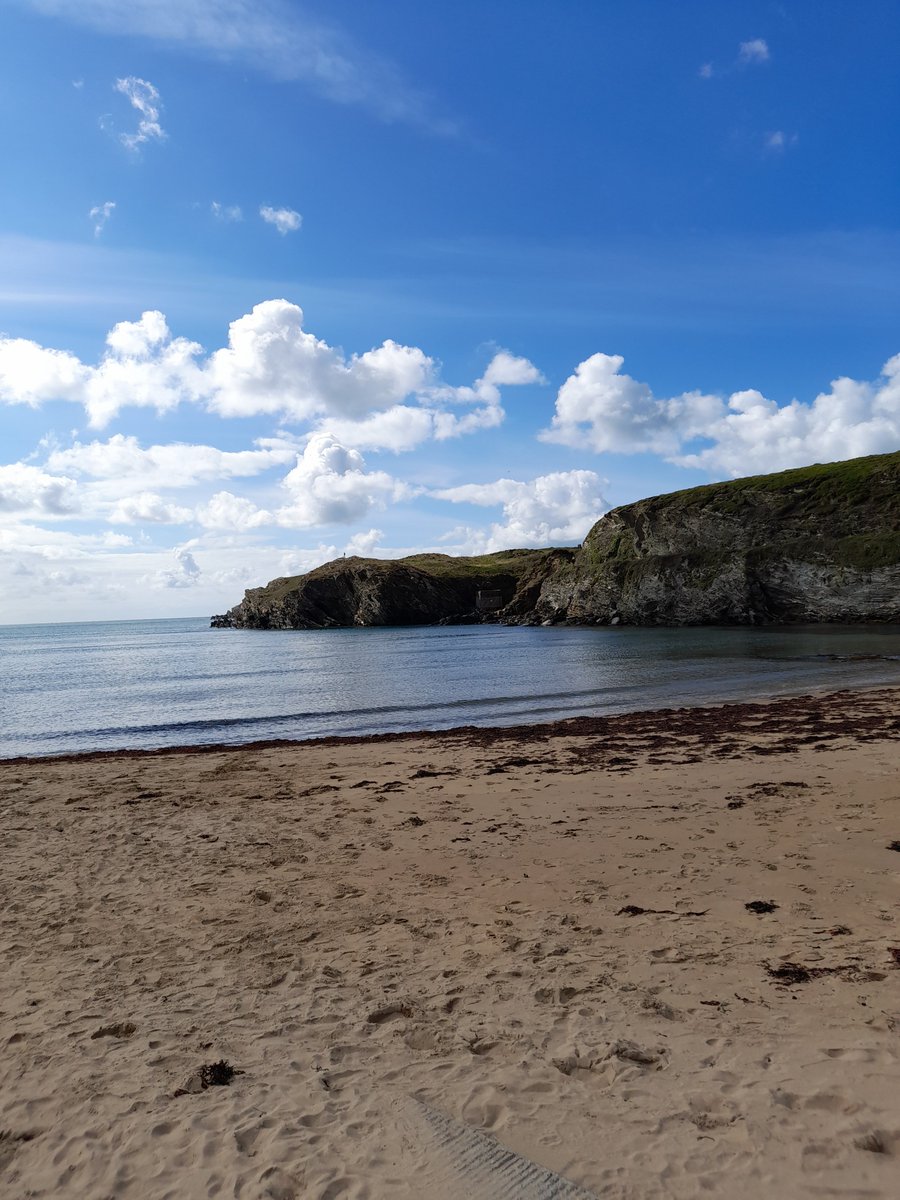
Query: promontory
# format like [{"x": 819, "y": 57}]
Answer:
[{"x": 816, "y": 544}]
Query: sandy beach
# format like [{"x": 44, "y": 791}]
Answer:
[{"x": 645, "y": 956}]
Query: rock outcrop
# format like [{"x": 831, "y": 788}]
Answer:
[
  {"x": 424, "y": 589},
  {"x": 817, "y": 544}
]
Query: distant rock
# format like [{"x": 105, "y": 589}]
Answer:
[
  {"x": 424, "y": 589},
  {"x": 817, "y": 544}
]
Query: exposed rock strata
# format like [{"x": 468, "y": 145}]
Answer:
[{"x": 817, "y": 544}]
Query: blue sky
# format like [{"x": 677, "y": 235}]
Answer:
[{"x": 453, "y": 276}]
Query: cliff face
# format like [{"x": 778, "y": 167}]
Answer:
[
  {"x": 424, "y": 589},
  {"x": 817, "y": 544},
  {"x": 813, "y": 545}
]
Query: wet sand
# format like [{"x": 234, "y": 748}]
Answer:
[{"x": 655, "y": 955}]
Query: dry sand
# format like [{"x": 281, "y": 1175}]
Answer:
[{"x": 539, "y": 934}]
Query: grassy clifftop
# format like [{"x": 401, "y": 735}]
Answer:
[
  {"x": 481, "y": 569},
  {"x": 839, "y": 490}
]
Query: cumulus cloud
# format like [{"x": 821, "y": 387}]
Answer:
[
  {"x": 754, "y": 51},
  {"x": 746, "y": 433},
  {"x": 506, "y": 368},
  {"x": 285, "y": 220},
  {"x": 227, "y": 213},
  {"x": 227, "y": 511},
  {"x": 100, "y": 214},
  {"x": 271, "y": 365},
  {"x": 27, "y": 489},
  {"x": 143, "y": 366},
  {"x": 503, "y": 369},
  {"x": 31, "y": 374},
  {"x": 144, "y": 97},
  {"x": 550, "y": 509},
  {"x": 364, "y": 544},
  {"x": 331, "y": 486},
  {"x": 148, "y": 508},
  {"x": 601, "y": 409},
  {"x": 402, "y": 427},
  {"x": 185, "y": 573}
]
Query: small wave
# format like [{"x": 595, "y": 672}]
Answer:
[{"x": 411, "y": 713}]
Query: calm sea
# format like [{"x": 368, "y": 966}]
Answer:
[{"x": 111, "y": 685}]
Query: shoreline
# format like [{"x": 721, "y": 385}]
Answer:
[
  {"x": 791, "y": 705},
  {"x": 655, "y": 955}
]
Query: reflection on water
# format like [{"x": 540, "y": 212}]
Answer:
[{"x": 177, "y": 682}]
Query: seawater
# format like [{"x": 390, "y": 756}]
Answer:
[{"x": 147, "y": 684}]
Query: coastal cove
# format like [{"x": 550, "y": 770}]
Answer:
[{"x": 78, "y": 688}]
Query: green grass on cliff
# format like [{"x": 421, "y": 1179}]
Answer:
[
  {"x": 516, "y": 563},
  {"x": 504, "y": 562},
  {"x": 848, "y": 512},
  {"x": 813, "y": 491}
]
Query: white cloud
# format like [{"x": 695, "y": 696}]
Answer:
[
  {"x": 227, "y": 511},
  {"x": 144, "y": 97},
  {"x": 31, "y": 374},
  {"x": 148, "y": 508},
  {"x": 364, "y": 544},
  {"x": 402, "y": 427},
  {"x": 555, "y": 508},
  {"x": 506, "y": 368},
  {"x": 123, "y": 460},
  {"x": 746, "y": 434},
  {"x": 271, "y": 365},
  {"x": 143, "y": 366},
  {"x": 27, "y": 489},
  {"x": 100, "y": 214},
  {"x": 280, "y": 39},
  {"x": 185, "y": 574},
  {"x": 778, "y": 141},
  {"x": 57, "y": 544},
  {"x": 750, "y": 53},
  {"x": 330, "y": 486},
  {"x": 285, "y": 220},
  {"x": 227, "y": 213},
  {"x": 754, "y": 51},
  {"x": 600, "y": 409}
]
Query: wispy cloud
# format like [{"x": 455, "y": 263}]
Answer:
[
  {"x": 751, "y": 53},
  {"x": 754, "y": 51},
  {"x": 145, "y": 98},
  {"x": 272, "y": 36},
  {"x": 777, "y": 142},
  {"x": 227, "y": 213},
  {"x": 285, "y": 220},
  {"x": 100, "y": 214}
]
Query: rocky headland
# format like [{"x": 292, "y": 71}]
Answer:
[{"x": 816, "y": 544}]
